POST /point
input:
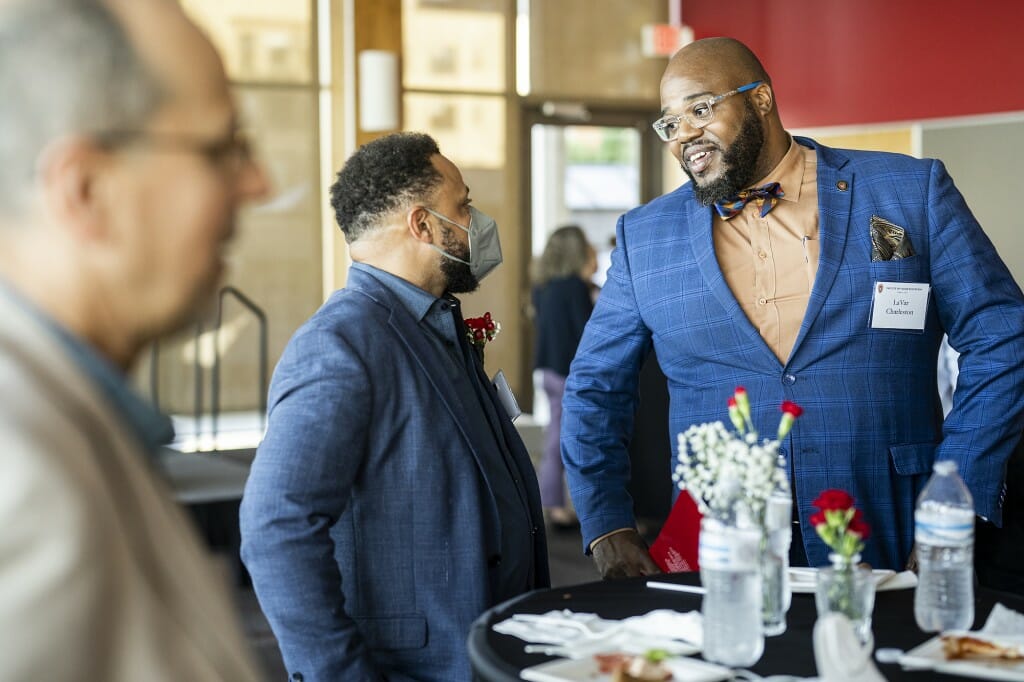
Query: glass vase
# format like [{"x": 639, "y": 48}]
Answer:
[
  {"x": 778, "y": 534},
  {"x": 849, "y": 589},
  {"x": 774, "y": 588},
  {"x": 730, "y": 573}
]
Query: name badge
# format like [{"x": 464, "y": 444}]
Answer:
[
  {"x": 505, "y": 396},
  {"x": 900, "y": 305}
]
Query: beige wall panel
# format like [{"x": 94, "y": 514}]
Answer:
[
  {"x": 591, "y": 49},
  {"x": 899, "y": 140}
]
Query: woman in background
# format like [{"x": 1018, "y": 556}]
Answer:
[{"x": 562, "y": 302}]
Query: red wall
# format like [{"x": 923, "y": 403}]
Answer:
[{"x": 839, "y": 62}]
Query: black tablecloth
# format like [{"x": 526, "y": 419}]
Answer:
[{"x": 499, "y": 658}]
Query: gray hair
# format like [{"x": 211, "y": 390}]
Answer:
[{"x": 66, "y": 67}]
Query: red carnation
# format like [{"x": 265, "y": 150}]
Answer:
[
  {"x": 858, "y": 526},
  {"x": 833, "y": 499},
  {"x": 791, "y": 408},
  {"x": 817, "y": 518}
]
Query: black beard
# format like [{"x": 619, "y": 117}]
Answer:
[
  {"x": 459, "y": 278},
  {"x": 739, "y": 159}
]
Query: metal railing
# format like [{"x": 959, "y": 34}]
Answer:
[{"x": 215, "y": 384}]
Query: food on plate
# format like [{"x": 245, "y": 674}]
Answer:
[
  {"x": 627, "y": 668},
  {"x": 965, "y": 646}
]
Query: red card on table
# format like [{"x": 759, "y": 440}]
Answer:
[{"x": 675, "y": 549}]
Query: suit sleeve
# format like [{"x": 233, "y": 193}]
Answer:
[
  {"x": 600, "y": 400},
  {"x": 982, "y": 310},
  {"x": 299, "y": 485}
]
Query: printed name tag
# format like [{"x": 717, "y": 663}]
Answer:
[
  {"x": 505, "y": 396},
  {"x": 900, "y": 305}
]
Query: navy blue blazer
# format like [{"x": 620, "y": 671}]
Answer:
[
  {"x": 873, "y": 424},
  {"x": 367, "y": 522}
]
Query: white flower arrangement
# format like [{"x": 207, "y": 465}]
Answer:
[{"x": 732, "y": 473}]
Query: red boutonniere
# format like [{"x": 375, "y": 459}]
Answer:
[{"x": 480, "y": 330}]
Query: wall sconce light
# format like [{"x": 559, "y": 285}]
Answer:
[{"x": 378, "y": 91}]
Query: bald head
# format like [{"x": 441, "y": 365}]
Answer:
[{"x": 725, "y": 60}]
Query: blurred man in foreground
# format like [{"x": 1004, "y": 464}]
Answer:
[{"x": 120, "y": 173}]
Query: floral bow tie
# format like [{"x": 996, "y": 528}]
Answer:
[{"x": 766, "y": 197}]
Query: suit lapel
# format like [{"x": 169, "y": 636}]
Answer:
[
  {"x": 408, "y": 333},
  {"x": 699, "y": 220},
  {"x": 833, "y": 226}
]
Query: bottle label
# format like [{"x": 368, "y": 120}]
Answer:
[
  {"x": 944, "y": 526},
  {"x": 729, "y": 549}
]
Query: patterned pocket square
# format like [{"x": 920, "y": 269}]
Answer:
[{"x": 889, "y": 241}]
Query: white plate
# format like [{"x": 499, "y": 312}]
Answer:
[
  {"x": 802, "y": 580},
  {"x": 586, "y": 670},
  {"x": 929, "y": 656}
]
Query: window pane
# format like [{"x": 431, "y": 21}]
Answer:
[
  {"x": 274, "y": 259},
  {"x": 470, "y": 129},
  {"x": 602, "y": 170},
  {"x": 457, "y": 45},
  {"x": 260, "y": 40}
]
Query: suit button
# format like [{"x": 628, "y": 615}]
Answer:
[
  {"x": 789, "y": 379},
  {"x": 297, "y": 677}
]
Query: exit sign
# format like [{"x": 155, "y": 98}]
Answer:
[{"x": 662, "y": 40}]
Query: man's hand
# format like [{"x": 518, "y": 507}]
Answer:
[
  {"x": 912, "y": 560},
  {"x": 623, "y": 555}
]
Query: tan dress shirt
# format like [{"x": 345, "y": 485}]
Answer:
[{"x": 769, "y": 263}]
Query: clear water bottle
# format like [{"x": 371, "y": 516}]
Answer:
[
  {"x": 730, "y": 572},
  {"x": 944, "y": 532},
  {"x": 775, "y": 558}
]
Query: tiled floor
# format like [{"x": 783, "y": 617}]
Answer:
[{"x": 568, "y": 566}]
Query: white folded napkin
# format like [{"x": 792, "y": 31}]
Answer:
[
  {"x": 578, "y": 635},
  {"x": 1004, "y": 621},
  {"x": 804, "y": 579}
]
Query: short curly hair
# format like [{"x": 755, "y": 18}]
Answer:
[{"x": 381, "y": 177}]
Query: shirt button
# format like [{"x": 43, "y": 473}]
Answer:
[
  {"x": 762, "y": 301},
  {"x": 762, "y": 255},
  {"x": 789, "y": 379}
]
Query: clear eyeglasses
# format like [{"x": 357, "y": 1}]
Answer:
[{"x": 696, "y": 115}]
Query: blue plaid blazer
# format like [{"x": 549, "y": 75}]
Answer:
[{"x": 873, "y": 423}]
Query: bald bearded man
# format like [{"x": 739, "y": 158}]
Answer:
[{"x": 785, "y": 294}]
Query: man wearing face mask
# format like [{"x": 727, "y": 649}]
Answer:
[{"x": 392, "y": 500}]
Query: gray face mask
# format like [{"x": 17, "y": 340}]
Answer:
[{"x": 484, "y": 245}]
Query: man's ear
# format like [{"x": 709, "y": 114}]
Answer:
[
  {"x": 418, "y": 225},
  {"x": 764, "y": 98},
  {"x": 68, "y": 171}
]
